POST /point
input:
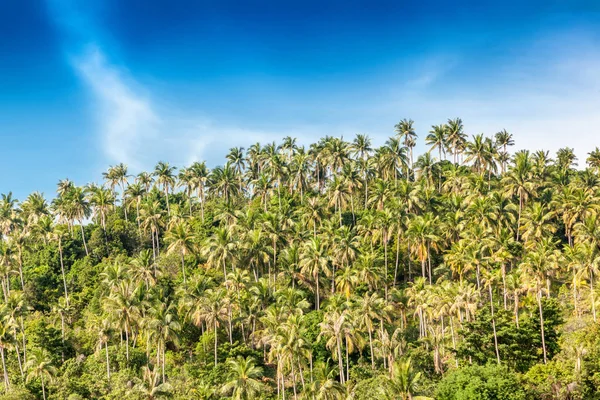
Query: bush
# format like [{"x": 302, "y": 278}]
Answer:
[{"x": 480, "y": 383}]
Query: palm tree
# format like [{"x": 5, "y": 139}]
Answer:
[
  {"x": 437, "y": 139},
  {"x": 151, "y": 215},
  {"x": 40, "y": 366},
  {"x": 243, "y": 379},
  {"x": 7, "y": 341},
  {"x": 403, "y": 382},
  {"x": 163, "y": 327},
  {"x": 181, "y": 240},
  {"x": 165, "y": 177},
  {"x": 503, "y": 139},
  {"x": 593, "y": 159},
  {"x": 220, "y": 249},
  {"x": 151, "y": 387},
  {"x": 123, "y": 306},
  {"x": 455, "y": 137},
  {"x": 105, "y": 331},
  {"x": 323, "y": 385},
  {"x": 368, "y": 312},
  {"x": 361, "y": 148},
  {"x": 405, "y": 130},
  {"x": 80, "y": 210},
  {"x": 332, "y": 329},
  {"x": 212, "y": 312},
  {"x": 315, "y": 261}
]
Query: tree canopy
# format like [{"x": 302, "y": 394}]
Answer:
[{"x": 340, "y": 269}]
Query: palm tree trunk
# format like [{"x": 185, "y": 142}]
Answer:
[
  {"x": 340, "y": 362},
  {"x": 5, "y": 372},
  {"x": 371, "y": 347},
  {"x": 183, "y": 265},
  {"x": 517, "y": 310},
  {"x": 494, "y": 324},
  {"x": 397, "y": 257},
  {"x": 62, "y": 270},
  {"x": 539, "y": 299},
  {"x": 163, "y": 362},
  {"x": 593, "y": 300},
  {"x": 21, "y": 271},
  {"x": 107, "y": 360},
  {"x": 385, "y": 261},
  {"x": 127, "y": 344},
  {"x": 43, "y": 387},
  {"x": 318, "y": 304},
  {"x": 504, "y": 293},
  {"x": 294, "y": 380},
  {"x": 347, "y": 361},
  {"x": 216, "y": 342},
  {"x": 87, "y": 253},
  {"x": 24, "y": 339},
  {"x": 19, "y": 360}
]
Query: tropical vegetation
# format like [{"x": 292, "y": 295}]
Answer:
[{"x": 337, "y": 270}]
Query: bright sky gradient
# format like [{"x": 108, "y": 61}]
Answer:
[{"x": 86, "y": 84}]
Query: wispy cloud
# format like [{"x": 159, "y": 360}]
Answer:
[
  {"x": 131, "y": 126},
  {"x": 126, "y": 120}
]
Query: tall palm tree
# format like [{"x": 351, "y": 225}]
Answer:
[
  {"x": 243, "y": 379},
  {"x": 437, "y": 139},
  {"x": 40, "y": 366},
  {"x": 314, "y": 262},
  {"x": 165, "y": 176},
  {"x": 213, "y": 311},
  {"x": 403, "y": 381},
  {"x": 7, "y": 341},
  {"x": 182, "y": 240}
]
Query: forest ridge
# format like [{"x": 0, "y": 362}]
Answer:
[{"x": 340, "y": 270}]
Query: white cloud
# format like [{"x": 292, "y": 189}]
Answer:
[{"x": 133, "y": 129}]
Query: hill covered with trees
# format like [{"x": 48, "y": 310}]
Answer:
[{"x": 335, "y": 271}]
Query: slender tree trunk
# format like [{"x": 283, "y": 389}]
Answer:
[
  {"x": 519, "y": 215},
  {"x": 517, "y": 309},
  {"x": 62, "y": 270},
  {"x": 371, "y": 347},
  {"x": 24, "y": 339},
  {"x": 107, "y": 360},
  {"x": 216, "y": 342},
  {"x": 87, "y": 253},
  {"x": 294, "y": 380},
  {"x": 397, "y": 257},
  {"x": 539, "y": 299},
  {"x": 127, "y": 344},
  {"x": 43, "y": 387},
  {"x": 19, "y": 360},
  {"x": 593, "y": 300},
  {"x": 494, "y": 324},
  {"x": 340, "y": 362},
  {"x": 183, "y": 265},
  {"x": 318, "y": 301},
  {"x": 504, "y": 293},
  {"x": 347, "y": 360},
  {"x": 4, "y": 370},
  {"x": 385, "y": 261},
  {"x": 21, "y": 271},
  {"x": 163, "y": 362}
]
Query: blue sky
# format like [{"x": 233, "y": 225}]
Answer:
[{"x": 87, "y": 84}]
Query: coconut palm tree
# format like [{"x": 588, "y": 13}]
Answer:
[
  {"x": 165, "y": 177},
  {"x": 182, "y": 240},
  {"x": 243, "y": 379},
  {"x": 40, "y": 366},
  {"x": 151, "y": 387},
  {"x": 403, "y": 382}
]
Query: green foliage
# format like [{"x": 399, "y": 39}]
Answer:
[
  {"x": 329, "y": 272},
  {"x": 519, "y": 347},
  {"x": 478, "y": 382}
]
